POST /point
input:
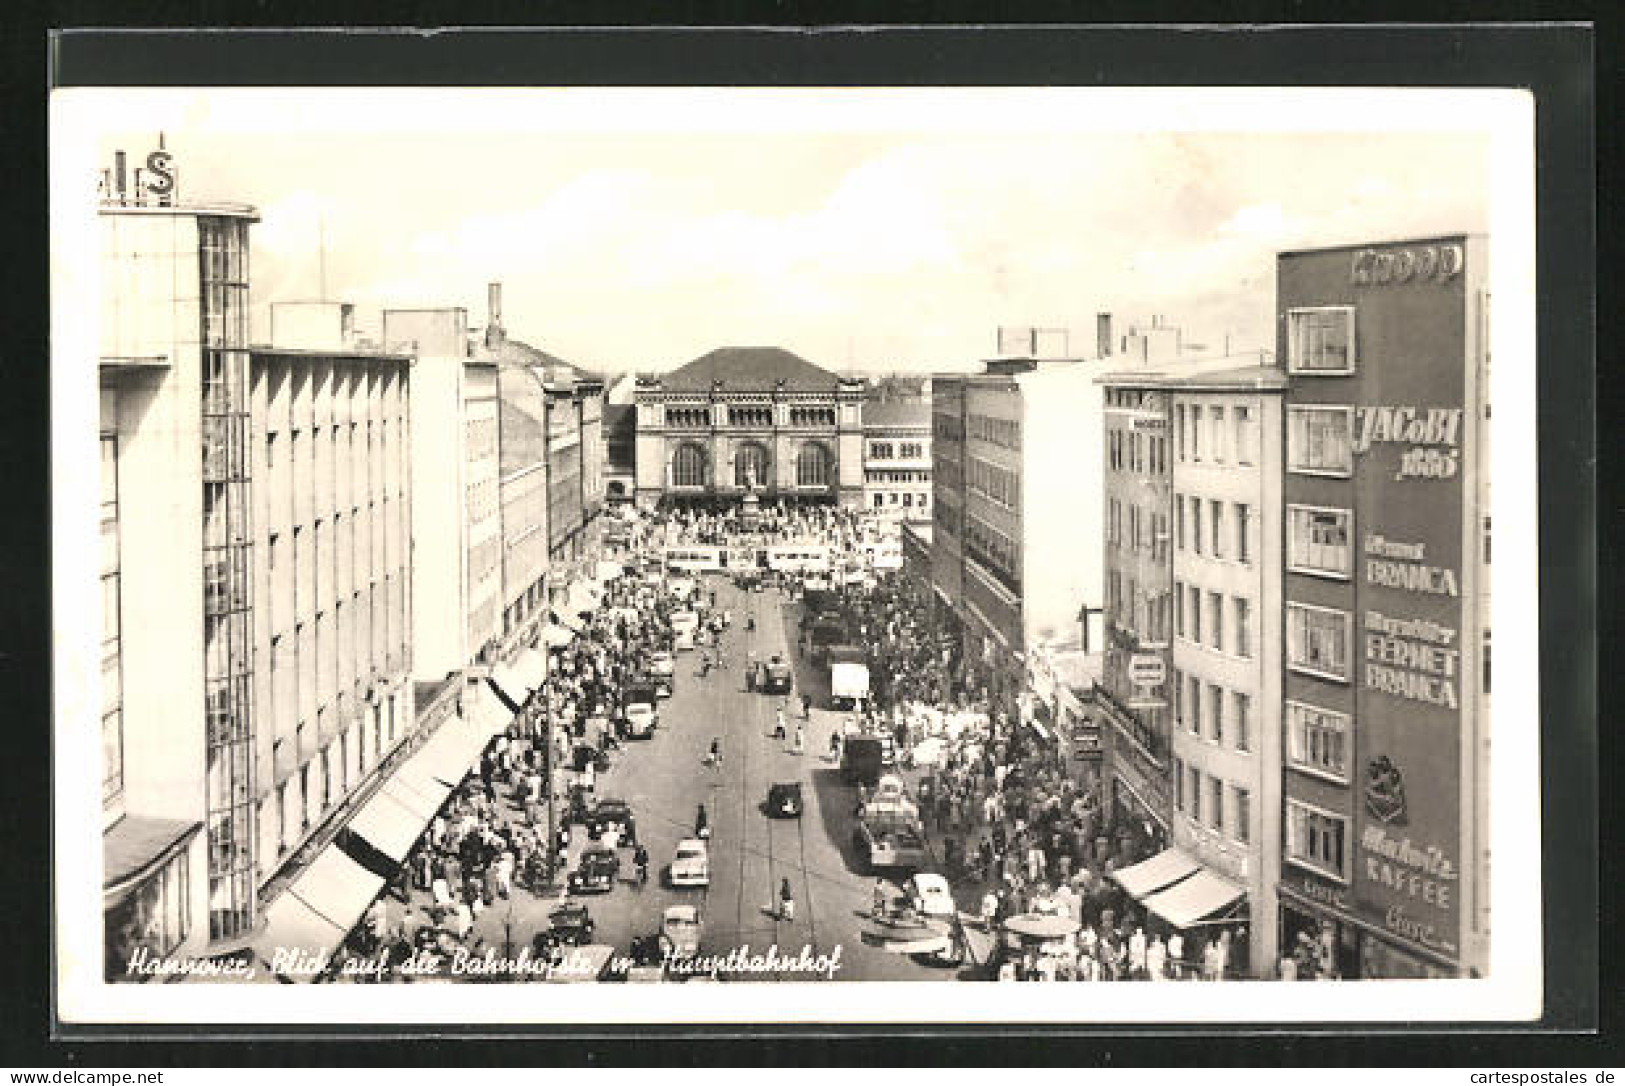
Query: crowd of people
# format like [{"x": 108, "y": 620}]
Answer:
[
  {"x": 490, "y": 841},
  {"x": 1014, "y": 821}
]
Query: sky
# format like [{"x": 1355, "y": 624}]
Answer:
[{"x": 856, "y": 230}]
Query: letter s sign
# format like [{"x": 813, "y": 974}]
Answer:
[{"x": 160, "y": 170}]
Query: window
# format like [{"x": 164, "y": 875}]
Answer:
[
  {"x": 1241, "y": 827},
  {"x": 1244, "y": 528},
  {"x": 1179, "y": 520},
  {"x": 1179, "y": 608},
  {"x": 1196, "y": 614},
  {"x": 1215, "y": 619},
  {"x": 1241, "y": 724},
  {"x": 1179, "y": 430},
  {"x": 688, "y": 466},
  {"x": 1317, "y": 541},
  {"x": 1217, "y": 414},
  {"x": 880, "y": 499},
  {"x": 1244, "y": 626},
  {"x": 1215, "y": 711},
  {"x": 1486, "y": 661},
  {"x": 1317, "y": 740},
  {"x": 912, "y": 450},
  {"x": 1246, "y": 426},
  {"x": 1216, "y": 803},
  {"x": 1193, "y": 701},
  {"x": 1315, "y": 839},
  {"x": 1196, "y": 525},
  {"x": 812, "y": 465},
  {"x": 1179, "y": 785},
  {"x": 1196, "y": 794},
  {"x": 1196, "y": 433},
  {"x": 1317, "y": 641},
  {"x": 908, "y": 499},
  {"x": 1320, "y": 340},
  {"x": 156, "y": 917},
  {"x": 1216, "y": 523},
  {"x": 880, "y": 450},
  {"x": 750, "y": 465},
  {"x": 1319, "y": 441}
]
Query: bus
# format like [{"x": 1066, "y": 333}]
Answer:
[
  {"x": 693, "y": 559},
  {"x": 799, "y": 558}
]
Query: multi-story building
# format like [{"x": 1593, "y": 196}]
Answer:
[
  {"x": 1191, "y": 682},
  {"x": 331, "y": 530},
  {"x": 749, "y": 419},
  {"x": 620, "y": 452},
  {"x": 551, "y": 485},
  {"x": 456, "y": 521},
  {"x": 1016, "y": 487},
  {"x": 1386, "y": 680},
  {"x": 178, "y": 724},
  {"x": 897, "y": 460}
]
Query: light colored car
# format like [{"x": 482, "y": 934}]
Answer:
[
  {"x": 930, "y": 895},
  {"x": 684, "y": 624},
  {"x": 691, "y": 863},
  {"x": 640, "y": 720},
  {"x": 681, "y": 927}
]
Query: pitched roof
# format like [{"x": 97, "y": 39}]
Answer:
[
  {"x": 515, "y": 352},
  {"x": 877, "y": 413},
  {"x": 755, "y": 368}
]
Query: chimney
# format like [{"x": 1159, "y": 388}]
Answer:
[
  {"x": 493, "y": 321},
  {"x": 1103, "y": 334}
]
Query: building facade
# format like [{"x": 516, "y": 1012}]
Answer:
[
  {"x": 332, "y": 536},
  {"x": 749, "y": 419},
  {"x": 1386, "y": 584},
  {"x": 178, "y": 725},
  {"x": 456, "y": 526},
  {"x": 1016, "y": 488},
  {"x": 897, "y": 460}
]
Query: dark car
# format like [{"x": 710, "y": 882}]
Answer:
[
  {"x": 612, "y": 812},
  {"x": 596, "y": 873},
  {"x": 784, "y": 800},
  {"x": 580, "y": 804},
  {"x": 570, "y": 924}
]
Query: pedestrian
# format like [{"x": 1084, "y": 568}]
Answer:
[
  {"x": 778, "y": 729},
  {"x": 882, "y": 899},
  {"x": 801, "y": 739},
  {"x": 702, "y": 823},
  {"x": 787, "y": 902}
]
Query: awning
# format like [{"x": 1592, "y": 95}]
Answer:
[
  {"x": 531, "y": 667},
  {"x": 555, "y": 636},
  {"x": 507, "y": 676},
  {"x": 135, "y": 848},
  {"x": 1194, "y": 899},
  {"x": 1148, "y": 876},
  {"x": 389, "y": 825},
  {"x": 421, "y": 795},
  {"x": 316, "y": 912}
]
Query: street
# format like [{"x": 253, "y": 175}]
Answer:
[{"x": 666, "y": 778}]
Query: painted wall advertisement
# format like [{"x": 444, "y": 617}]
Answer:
[{"x": 1409, "y": 430}]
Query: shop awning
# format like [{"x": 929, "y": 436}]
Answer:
[
  {"x": 531, "y": 667},
  {"x": 389, "y": 825},
  {"x": 555, "y": 636},
  {"x": 135, "y": 848},
  {"x": 513, "y": 684},
  {"x": 1148, "y": 876},
  {"x": 1194, "y": 899},
  {"x": 317, "y": 911},
  {"x": 421, "y": 795},
  {"x": 293, "y": 926}
]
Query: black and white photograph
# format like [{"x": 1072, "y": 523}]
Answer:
[{"x": 842, "y": 554}]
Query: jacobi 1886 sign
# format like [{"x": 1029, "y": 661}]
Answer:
[{"x": 1411, "y": 439}]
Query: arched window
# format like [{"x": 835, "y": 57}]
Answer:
[
  {"x": 688, "y": 465},
  {"x": 750, "y": 465},
  {"x": 812, "y": 465}
]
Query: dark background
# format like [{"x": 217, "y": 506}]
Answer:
[{"x": 1555, "y": 61}]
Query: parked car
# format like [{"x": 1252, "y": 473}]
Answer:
[
  {"x": 784, "y": 800},
  {"x": 571, "y": 925},
  {"x": 930, "y": 895},
  {"x": 641, "y": 720},
  {"x": 612, "y": 812},
  {"x": 681, "y": 928},
  {"x": 691, "y": 863},
  {"x": 596, "y": 873}
]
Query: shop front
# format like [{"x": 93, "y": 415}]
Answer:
[{"x": 1324, "y": 938}]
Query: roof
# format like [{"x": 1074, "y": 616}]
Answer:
[
  {"x": 516, "y": 352},
  {"x": 137, "y": 845},
  {"x": 916, "y": 413},
  {"x": 1232, "y": 377},
  {"x": 750, "y": 368}
]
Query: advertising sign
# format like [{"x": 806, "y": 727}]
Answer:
[
  {"x": 1147, "y": 670},
  {"x": 1409, "y": 443}
]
